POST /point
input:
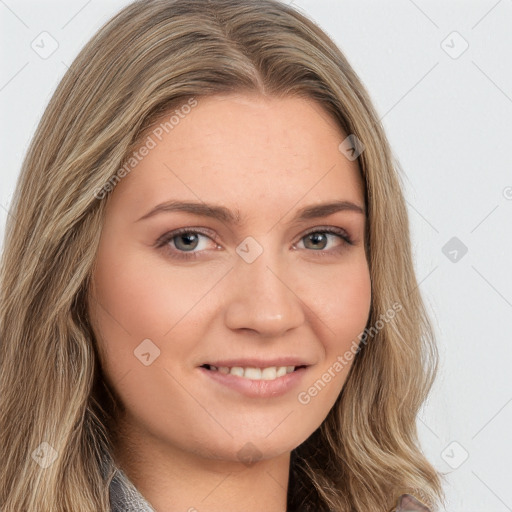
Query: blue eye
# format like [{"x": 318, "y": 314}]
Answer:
[{"x": 182, "y": 243}]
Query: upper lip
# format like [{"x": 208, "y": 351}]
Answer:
[{"x": 258, "y": 363}]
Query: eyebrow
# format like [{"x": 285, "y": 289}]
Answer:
[{"x": 227, "y": 216}]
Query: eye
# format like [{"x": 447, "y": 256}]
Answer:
[
  {"x": 186, "y": 243},
  {"x": 318, "y": 239}
]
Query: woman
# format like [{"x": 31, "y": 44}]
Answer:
[{"x": 175, "y": 333}]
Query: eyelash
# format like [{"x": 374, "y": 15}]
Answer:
[{"x": 162, "y": 242}]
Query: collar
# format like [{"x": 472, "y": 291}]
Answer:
[{"x": 124, "y": 496}]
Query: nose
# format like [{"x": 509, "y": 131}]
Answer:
[{"x": 263, "y": 298}]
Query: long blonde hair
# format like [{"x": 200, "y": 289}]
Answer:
[{"x": 56, "y": 431}]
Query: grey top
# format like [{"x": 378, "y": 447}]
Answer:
[{"x": 124, "y": 496}]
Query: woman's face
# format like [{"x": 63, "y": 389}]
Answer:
[{"x": 264, "y": 278}]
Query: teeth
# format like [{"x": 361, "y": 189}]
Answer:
[
  {"x": 270, "y": 373},
  {"x": 282, "y": 370},
  {"x": 236, "y": 370},
  {"x": 251, "y": 373}
]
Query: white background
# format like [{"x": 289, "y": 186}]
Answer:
[{"x": 448, "y": 116}]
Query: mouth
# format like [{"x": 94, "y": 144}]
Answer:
[{"x": 255, "y": 373}]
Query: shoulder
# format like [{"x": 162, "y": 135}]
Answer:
[{"x": 408, "y": 503}]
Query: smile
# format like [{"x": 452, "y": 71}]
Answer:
[
  {"x": 255, "y": 382},
  {"x": 252, "y": 373}
]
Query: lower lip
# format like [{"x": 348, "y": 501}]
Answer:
[{"x": 258, "y": 388}]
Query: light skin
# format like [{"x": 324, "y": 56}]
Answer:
[{"x": 305, "y": 296}]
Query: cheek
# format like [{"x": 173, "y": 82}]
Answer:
[
  {"x": 139, "y": 298},
  {"x": 342, "y": 301},
  {"x": 351, "y": 304},
  {"x": 129, "y": 304},
  {"x": 343, "y": 310}
]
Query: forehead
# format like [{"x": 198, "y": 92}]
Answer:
[{"x": 243, "y": 150}]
